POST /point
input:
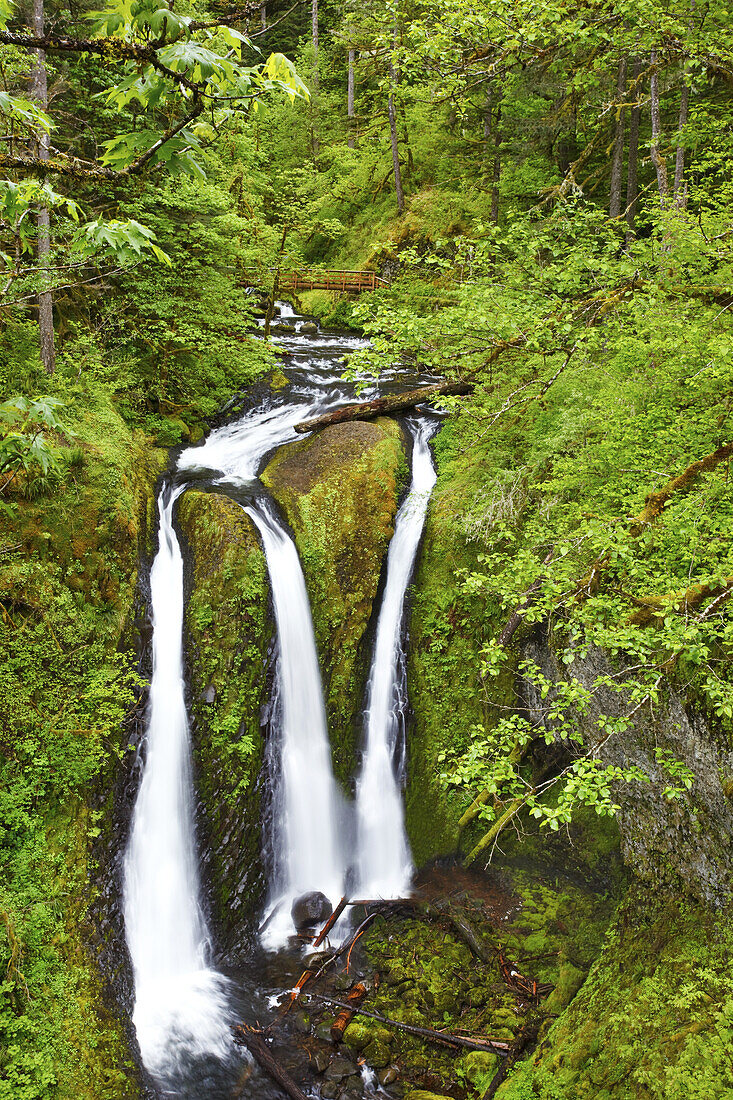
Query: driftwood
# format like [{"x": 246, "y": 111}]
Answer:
[
  {"x": 330, "y": 922},
  {"x": 248, "y": 1037},
  {"x": 346, "y": 1015},
  {"x": 383, "y": 406},
  {"x": 495, "y": 1046}
]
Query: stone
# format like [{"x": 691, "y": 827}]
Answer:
[
  {"x": 321, "y": 1061},
  {"x": 329, "y": 1090},
  {"x": 479, "y": 1068},
  {"x": 340, "y": 1068},
  {"x": 309, "y": 328},
  {"x": 282, "y": 329},
  {"x": 309, "y": 909},
  {"x": 388, "y": 1075},
  {"x": 210, "y": 694},
  {"x": 377, "y": 1054}
]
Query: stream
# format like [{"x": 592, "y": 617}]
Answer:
[{"x": 185, "y": 1003}]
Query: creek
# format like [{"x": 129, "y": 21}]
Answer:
[{"x": 185, "y": 999}]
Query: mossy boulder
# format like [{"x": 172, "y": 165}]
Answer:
[
  {"x": 228, "y": 632},
  {"x": 479, "y": 1068},
  {"x": 339, "y": 490}
]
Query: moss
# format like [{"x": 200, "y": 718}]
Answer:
[
  {"x": 228, "y": 633},
  {"x": 339, "y": 490},
  {"x": 653, "y": 1020},
  {"x": 68, "y": 590}
]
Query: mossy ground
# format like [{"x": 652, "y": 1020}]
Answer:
[
  {"x": 228, "y": 632},
  {"x": 550, "y": 928},
  {"x": 339, "y": 490},
  {"x": 654, "y": 1021},
  {"x": 68, "y": 575}
]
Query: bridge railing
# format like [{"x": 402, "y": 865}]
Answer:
[{"x": 349, "y": 282}]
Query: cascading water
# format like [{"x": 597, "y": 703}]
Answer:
[
  {"x": 183, "y": 1006},
  {"x": 308, "y": 823},
  {"x": 180, "y": 1002},
  {"x": 383, "y": 854}
]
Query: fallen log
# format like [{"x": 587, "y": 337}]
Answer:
[
  {"x": 383, "y": 406},
  {"x": 354, "y": 998},
  {"x": 248, "y": 1037},
  {"x": 495, "y": 1046}
]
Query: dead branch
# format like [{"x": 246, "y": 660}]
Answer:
[{"x": 384, "y": 406}]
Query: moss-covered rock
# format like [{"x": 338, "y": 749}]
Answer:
[
  {"x": 339, "y": 490},
  {"x": 228, "y": 633}
]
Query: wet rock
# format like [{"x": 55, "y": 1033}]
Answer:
[
  {"x": 210, "y": 694},
  {"x": 320, "y": 1061},
  {"x": 388, "y": 1076},
  {"x": 316, "y": 959},
  {"x": 329, "y": 1090},
  {"x": 421, "y": 1094},
  {"x": 323, "y": 1031},
  {"x": 282, "y": 329},
  {"x": 340, "y": 1068},
  {"x": 309, "y": 909},
  {"x": 309, "y": 328}
]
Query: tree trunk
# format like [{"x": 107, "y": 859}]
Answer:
[
  {"x": 617, "y": 157},
  {"x": 633, "y": 162},
  {"x": 488, "y": 120},
  {"x": 350, "y": 113},
  {"x": 497, "y": 169},
  {"x": 384, "y": 406},
  {"x": 658, "y": 160},
  {"x": 39, "y": 91},
  {"x": 315, "y": 144},
  {"x": 393, "y": 130},
  {"x": 680, "y": 196},
  {"x": 263, "y": 16}
]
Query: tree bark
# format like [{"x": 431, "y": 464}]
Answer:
[
  {"x": 384, "y": 406},
  {"x": 350, "y": 112},
  {"x": 496, "y": 176},
  {"x": 392, "y": 112},
  {"x": 633, "y": 163},
  {"x": 680, "y": 196},
  {"x": 43, "y": 218},
  {"x": 263, "y": 16},
  {"x": 617, "y": 157},
  {"x": 658, "y": 160}
]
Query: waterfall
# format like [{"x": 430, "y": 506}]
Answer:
[
  {"x": 309, "y": 817},
  {"x": 180, "y": 1002},
  {"x": 383, "y": 855}
]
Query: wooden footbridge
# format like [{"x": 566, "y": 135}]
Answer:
[{"x": 345, "y": 282}]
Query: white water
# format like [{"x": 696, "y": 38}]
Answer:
[
  {"x": 180, "y": 1002},
  {"x": 309, "y": 815},
  {"x": 383, "y": 854}
]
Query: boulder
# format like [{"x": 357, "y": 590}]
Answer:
[{"x": 310, "y": 909}]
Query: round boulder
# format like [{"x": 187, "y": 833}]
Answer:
[{"x": 309, "y": 909}]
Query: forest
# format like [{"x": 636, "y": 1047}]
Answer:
[{"x": 503, "y": 233}]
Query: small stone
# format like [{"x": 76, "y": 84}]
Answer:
[
  {"x": 323, "y": 1031},
  {"x": 340, "y": 1068},
  {"x": 309, "y": 328},
  {"x": 320, "y": 1061},
  {"x": 388, "y": 1075},
  {"x": 210, "y": 694},
  {"x": 378, "y": 1055},
  {"x": 329, "y": 1090}
]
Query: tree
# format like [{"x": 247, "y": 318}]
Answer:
[{"x": 175, "y": 82}]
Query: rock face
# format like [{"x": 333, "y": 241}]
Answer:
[
  {"x": 680, "y": 843},
  {"x": 339, "y": 490},
  {"x": 228, "y": 632}
]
